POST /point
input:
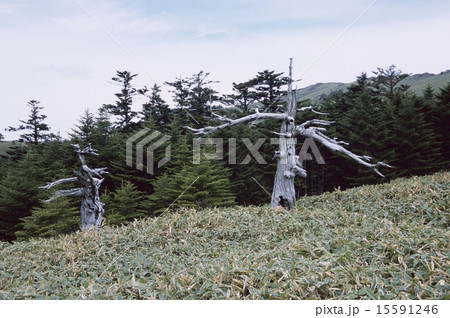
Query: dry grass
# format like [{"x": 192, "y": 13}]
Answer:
[{"x": 375, "y": 242}]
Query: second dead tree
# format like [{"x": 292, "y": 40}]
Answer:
[{"x": 89, "y": 181}]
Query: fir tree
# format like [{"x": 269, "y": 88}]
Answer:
[
  {"x": 35, "y": 125},
  {"x": 268, "y": 86},
  {"x": 84, "y": 132},
  {"x": 60, "y": 216},
  {"x": 124, "y": 205},
  {"x": 19, "y": 192},
  {"x": 388, "y": 79},
  {"x": 194, "y": 98},
  {"x": 365, "y": 121},
  {"x": 366, "y": 127},
  {"x": 204, "y": 186},
  {"x": 244, "y": 97},
  {"x": 254, "y": 177},
  {"x": 162, "y": 197},
  {"x": 441, "y": 122},
  {"x": 181, "y": 151},
  {"x": 103, "y": 128},
  {"x": 16, "y": 152},
  {"x": 418, "y": 148},
  {"x": 122, "y": 108},
  {"x": 18, "y": 195},
  {"x": 37, "y": 132},
  {"x": 156, "y": 109}
]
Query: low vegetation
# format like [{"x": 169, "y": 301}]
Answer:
[{"x": 388, "y": 241}]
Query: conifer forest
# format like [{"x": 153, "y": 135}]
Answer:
[{"x": 377, "y": 116}]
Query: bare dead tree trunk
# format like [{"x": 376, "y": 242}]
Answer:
[
  {"x": 89, "y": 181},
  {"x": 288, "y": 164},
  {"x": 283, "y": 193}
]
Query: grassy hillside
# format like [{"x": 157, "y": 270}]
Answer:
[
  {"x": 418, "y": 82},
  {"x": 386, "y": 241},
  {"x": 316, "y": 91}
]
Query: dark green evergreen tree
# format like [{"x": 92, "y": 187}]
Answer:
[
  {"x": 84, "y": 132},
  {"x": 124, "y": 205},
  {"x": 18, "y": 195},
  {"x": 386, "y": 80},
  {"x": 251, "y": 180},
  {"x": 441, "y": 122},
  {"x": 197, "y": 186},
  {"x": 366, "y": 128},
  {"x": 244, "y": 96},
  {"x": 162, "y": 197},
  {"x": 16, "y": 152},
  {"x": 114, "y": 156},
  {"x": 156, "y": 109},
  {"x": 418, "y": 148},
  {"x": 194, "y": 98},
  {"x": 181, "y": 148},
  {"x": 19, "y": 192},
  {"x": 122, "y": 108},
  {"x": 211, "y": 189},
  {"x": 268, "y": 86},
  {"x": 103, "y": 127},
  {"x": 202, "y": 96},
  {"x": 37, "y": 129},
  {"x": 57, "y": 217},
  {"x": 365, "y": 121},
  {"x": 180, "y": 89}
]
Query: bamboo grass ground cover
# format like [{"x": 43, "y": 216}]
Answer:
[{"x": 388, "y": 241}]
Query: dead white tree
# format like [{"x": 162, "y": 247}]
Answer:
[
  {"x": 89, "y": 181},
  {"x": 288, "y": 165}
]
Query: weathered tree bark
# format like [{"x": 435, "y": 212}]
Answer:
[
  {"x": 92, "y": 208},
  {"x": 283, "y": 193},
  {"x": 288, "y": 165},
  {"x": 231, "y": 122}
]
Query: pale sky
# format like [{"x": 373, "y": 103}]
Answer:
[{"x": 64, "y": 52}]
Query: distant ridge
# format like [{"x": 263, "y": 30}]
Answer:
[{"x": 418, "y": 82}]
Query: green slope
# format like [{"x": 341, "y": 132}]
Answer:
[
  {"x": 418, "y": 82},
  {"x": 388, "y": 241},
  {"x": 316, "y": 91}
]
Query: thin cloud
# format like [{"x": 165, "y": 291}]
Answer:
[
  {"x": 122, "y": 21},
  {"x": 208, "y": 32},
  {"x": 64, "y": 71},
  {"x": 7, "y": 8},
  {"x": 56, "y": 51},
  {"x": 132, "y": 22}
]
